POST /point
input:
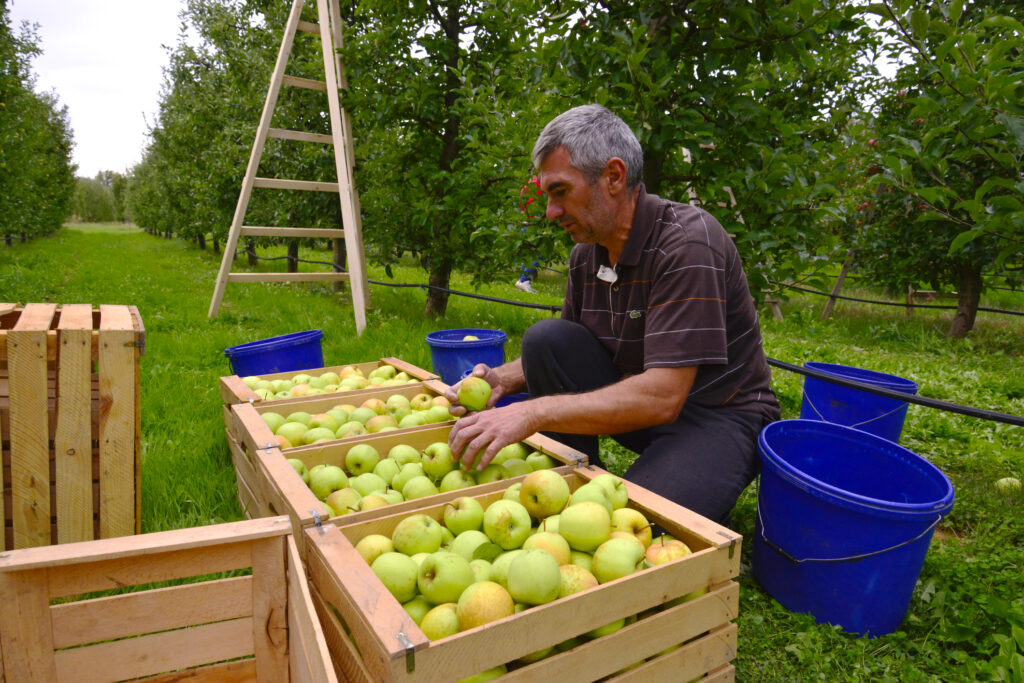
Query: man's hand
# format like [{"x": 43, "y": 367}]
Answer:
[
  {"x": 477, "y": 437},
  {"x": 480, "y": 370}
]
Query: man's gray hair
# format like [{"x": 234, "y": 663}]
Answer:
[{"x": 592, "y": 135}]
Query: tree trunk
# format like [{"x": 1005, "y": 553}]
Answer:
[
  {"x": 339, "y": 263},
  {"x": 437, "y": 299},
  {"x": 654, "y": 166},
  {"x": 24, "y": 237},
  {"x": 8, "y": 241},
  {"x": 970, "y": 285},
  {"x": 250, "y": 251},
  {"x": 216, "y": 246},
  {"x": 293, "y": 256},
  {"x": 201, "y": 239}
]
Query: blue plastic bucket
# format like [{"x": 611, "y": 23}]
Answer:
[
  {"x": 296, "y": 351},
  {"x": 452, "y": 356},
  {"x": 878, "y": 415},
  {"x": 844, "y": 519}
]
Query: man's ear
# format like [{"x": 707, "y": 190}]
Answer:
[{"x": 614, "y": 173}]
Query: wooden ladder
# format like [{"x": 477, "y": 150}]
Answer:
[{"x": 329, "y": 29}]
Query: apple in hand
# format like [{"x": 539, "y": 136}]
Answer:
[
  {"x": 443, "y": 576},
  {"x": 463, "y": 514},
  {"x": 507, "y": 523},
  {"x": 544, "y": 493},
  {"x": 474, "y": 393},
  {"x": 398, "y": 572},
  {"x": 417, "y": 534}
]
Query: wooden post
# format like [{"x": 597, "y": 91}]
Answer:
[{"x": 838, "y": 286}]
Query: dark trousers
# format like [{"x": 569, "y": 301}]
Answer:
[{"x": 702, "y": 461}]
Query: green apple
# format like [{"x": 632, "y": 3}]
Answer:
[
  {"x": 384, "y": 371},
  {"x": 273, "y": 420},
  {"x": 404, "y": 454},
  {"x": 474, "y": 392},
  {"x": 408, "y": 471},
  {"x": 362, "y": 414},
  {"x": 420, "y": 401},
  {"x": 1008, "y": 485},
  {"x": 438, "y": 460},
  {"x": 373, "y": 546},
  {"x": 456, "y": 479},
  {"x": 581, "y": 559},
  {"x": 361, "y": 458},
  {"x": 399, "y": 411},
  {"x": 367, "y": 483},
  {"x": 327, "y": 479},
  {"x": 375, "y": 404},
  {"x": 386, "y": 469},
  {"x": 443, "y": 576},
  {"x": 500, "y": 565},
  {"x": 268, "y": 394},
  {"x": 585, "y": 525},
  {"x": 447, "y": 537},
  {"x": 665, "y": 549},
  {"x": 380, "y": 423},
  {"x": 301, "y": 378},
  {"x": 615, "y": 558},
  {"x": 481, "y": 569},
  {"x": 514, "y": 467},
  {"x": 483, "y": 602},
  {"x": 549, "y": 523},
  {"x": 299, "y": 416},
  {"x": 554, "y": 544},
  {"x": 575, "y": 579},
  {"x": 396, "y": 399},
  {"x": 352, "y": 382},
  {"x": 507, "y": 524},
  {"x": 417, "y": 533},
  {"x": 513, "y": 451},
  {"x": 633, "y": 522},
  {"x": 541, "y": 461},
  {"x": 544, "y": 493},
  {"x": 300, "y": 468},
  {"x": 398, "y": 573},
  {"x": 534, "y": 578},
  {"x": 607, "y": 628},
  {"x": 440, "y": 622},
  {"x": 512, "y": 492},
  {"x": 318, "y": 434},
  {"x": 490, "y": 474},
  {"x": 468, "y": 541},
  {"x": 391, "y": 496},
  {"x": 263, "y": 384},
  {"x": 344, "y": 501},
  {"x": 339, "y": 414},
  {"x": 330, "y": 377},
  {"x": 419, "y": 487},
  {"x": 292, "y": 431},
  {"x": 251, "y": 380},
  {"x": 614, "y": 487},
  {"x": 436, "y": 414},
  {"x": 592, "y": 492},
  {"x": 316, "y": 383},
  {"x": 351, "y": 428},
  {"x": 463, "y": 514},
  {"x": 373, "y": 501},
  {"x": 485, "y": 676},
  {"x": 417, "y": 608},
  {"x": 412, "y": 420}
]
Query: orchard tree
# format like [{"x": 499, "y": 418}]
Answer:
[
  {"x": 948, "y": 146},
  {"x": 93, "y": 201}
]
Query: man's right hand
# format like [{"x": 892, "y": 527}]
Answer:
[{"x": 479, "y": 370}]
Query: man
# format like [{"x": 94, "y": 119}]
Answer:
[{"x": 658, "y": 344}]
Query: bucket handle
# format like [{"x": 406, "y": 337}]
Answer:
[
  {"x": 856, "y": 424},
  {"x": 774, "y": 546}
]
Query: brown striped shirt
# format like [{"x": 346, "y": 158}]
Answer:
[{"x": 681, "y": 298}]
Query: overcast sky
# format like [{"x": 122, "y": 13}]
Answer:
[{"x": 104, "y": 60}]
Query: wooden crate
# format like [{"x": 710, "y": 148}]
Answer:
[
  {"x": 372, "y": 638},
  {"x": 269, "y": 485},
  {"x": 69, "y": 422},
  {"x": 256, "y": 622},
  {"x": 234, "y": 390}
]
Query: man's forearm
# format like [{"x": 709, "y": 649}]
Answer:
[{"x": 511, "y": 377}]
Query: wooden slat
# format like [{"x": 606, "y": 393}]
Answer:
[
  {"x": 308, "y": 654},
  {"x": 330, "y": 233},
  {"x": 270, "y": 609},
  {"x": 29, "y": 425},
  {"x": 156, "y": 653},
  {"x": 117, "y": 422},
  {"x": 288, "y": 277},
  {"x": 309, "y": 27},
  {"x": 238, "y": 671},
  {"x": 73, "y": 438},
  {"x": 25, "y": 640},
  {"x": 300, "y": 135},
  {"x": 159, "y": 609},
  {"x": 7, "y": 308},
  {"x": 299, "y": 82},
  {"x": 692, "y": 660},
  {"x": 288, "y": 184}
]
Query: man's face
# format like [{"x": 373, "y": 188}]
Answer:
[{"x": 583, "y": 210}]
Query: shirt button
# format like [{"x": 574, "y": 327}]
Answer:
[{"x": 615, "y": 288}]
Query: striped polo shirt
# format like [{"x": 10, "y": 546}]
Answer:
[{"x": 680, "y": 298}]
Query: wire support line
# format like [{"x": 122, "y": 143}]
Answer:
[{"x": 889, "y": 303}]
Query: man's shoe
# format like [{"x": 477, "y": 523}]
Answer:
[{"x": 526, "y": 286}]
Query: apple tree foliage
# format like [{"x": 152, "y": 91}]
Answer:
[
  {"x": 737, "y": 105},
  {"x": 945, "y": 149},
  {"x": 36, "y": 174}
]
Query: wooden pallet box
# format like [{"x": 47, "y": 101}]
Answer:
[
  {"x": 70, "y": 428},
  {"x": 372, "y": 638},
  {"x": 234, "y": 390},
  {"x": 269, "y": 485},
  {"x": 223, "y": 602}
]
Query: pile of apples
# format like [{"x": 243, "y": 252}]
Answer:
[
  {"x": 539, "y": 543},
  {"x": 349, "y": 378},
  {"x": 300, "y": 428},
  {"x": 371, "y": 479}
]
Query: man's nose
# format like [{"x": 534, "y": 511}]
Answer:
[{"x": 553, "y": 210}]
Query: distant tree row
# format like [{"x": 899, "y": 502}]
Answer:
[
  {"x": 100, "y": 199},
  {"x": 770, "y": 113},
  {"x": 36, "y": 174}
]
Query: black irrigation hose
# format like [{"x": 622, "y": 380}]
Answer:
[
  {"x": 1016, "y": 420},
  {"x": 889, "y": 303}
]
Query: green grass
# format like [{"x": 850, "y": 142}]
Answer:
[{"x": 968, "y": 600}]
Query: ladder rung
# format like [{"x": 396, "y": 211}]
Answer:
[
  {"x": 309, "y": 27},
  {"x": 285, "y": 134},
  {"x": 253, "y": 231},
  {"x": 281, "y": 184},
  {"x": 299, "y": 82},
  {"x": 287, "y": 277}
]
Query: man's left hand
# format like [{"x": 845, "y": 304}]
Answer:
[{"x": 478, "y": 437}]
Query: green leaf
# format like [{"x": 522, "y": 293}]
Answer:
[
  {"x": 487, "y": 551},
  {"x": 956, "y": 8},
  {"x": 962, "y": 239},
  {"x": 919, "y": 21}
]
